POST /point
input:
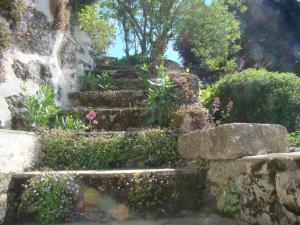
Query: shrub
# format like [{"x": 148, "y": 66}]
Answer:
[
  {"x": 161, "y": 100},
  {"x": 259, "y": 97},
  {"x": 5, "y": 34},
  {"x": 294, "y": 139},
  {"x": 150, "y": 195},
  {"x": 156, "y": 196},
  {"x": 67, "y": 150},
  {"x": 49, "y": 198}
]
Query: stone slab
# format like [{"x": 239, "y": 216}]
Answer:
[
  {"x": 233, "y": 141},
  {"x": 17, "y": 150},
  {"x": 219, "y": 171}
]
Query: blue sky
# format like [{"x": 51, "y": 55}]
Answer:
[{"x": 117, "y": 49}]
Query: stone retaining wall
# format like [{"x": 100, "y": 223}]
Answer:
[{"x": 250, "y": 173}]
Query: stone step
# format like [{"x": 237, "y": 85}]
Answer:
[
  {"x": 109, "y": 99},
  {"x": 209, "y": 219},
  {"x": 120, "y": 72},
  {"x": 128, "y": 84},
  {"x": 116, "y": 194},
  {"x": 117, "y": 119}
]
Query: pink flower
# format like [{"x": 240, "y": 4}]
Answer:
[
  {"x": 230, "y": 104},
  {"x": 90, "y": 116},
  {"x": 217, "y": 101}
]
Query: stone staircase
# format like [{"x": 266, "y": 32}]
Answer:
[
  {"x": 118, "y": 110},
  {"x": 248, "y": 162}
]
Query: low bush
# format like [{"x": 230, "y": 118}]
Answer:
[
  {"x": 258, "y": 96},
  {"x": 67, "y": 150},
  {"x": 294, "y": 139},
  {"x": 49, "y": 199},
  {"x": 162, "y": 99},
  {"x": 162, "y": 196}
]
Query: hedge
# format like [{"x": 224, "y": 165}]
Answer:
[
  {"x": 67, "y": 150},
  {"x": 259, "y": 96}
]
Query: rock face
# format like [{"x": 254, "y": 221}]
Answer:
[
  {"x": 42, "y": 51},
  {"x": 267, "y": 187},
  {"x": 232, "y": 141},
  {"x": 5, "y": 179}
]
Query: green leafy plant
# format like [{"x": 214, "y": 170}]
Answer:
[
  {"x": 228, "y": 199},
  {"x": 40, "y": 109},
  {"x": 294, "y": 139},
  {"x": 67, "y": 150},
  {"x": 106, "y": 82},
  {"x": 259, "y": 96},
  {"x": 94, "y": 82},
  {"x": 161, "y": 99},
  {"x": 49, "y": 199},
  {"x": 69, "y": 122}
]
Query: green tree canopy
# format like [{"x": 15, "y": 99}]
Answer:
[{"x": 208, "y": 36}]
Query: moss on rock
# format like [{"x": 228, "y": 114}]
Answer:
[{"x": 5, "y": 34}]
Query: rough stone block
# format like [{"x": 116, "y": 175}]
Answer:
[
  {"x": 17, "y": 150},
  {"x": 233, "y": 141}
]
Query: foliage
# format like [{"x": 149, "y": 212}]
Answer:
[
  {"x": 259, "y": 97},
  {"x": 96, "y": 26},
  {"x": 94, "y": 82},
  {"x": 69, "y": 122},
  {"x": 13, "y": 8},
  {"x": 40, "y": 109},
  {"x": 217, "y": 114},
  {"x": 133, "y": 60},
  {"x": 66, "y": 150},
  {"x": 200, "y": 164},
  {"x": 105, "y": 82},
  {"x": 49, "y": 198},
  {"x": 151, "y": 194},
  {"x": 207, "y": 37},
  {"x": 161, "y": 99},
  {"x": 294, "y": 139},
  {"x": 5, "y": 34},
  {"x": 147, "y": 25},
  {"x": 228, "y": 199}
]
